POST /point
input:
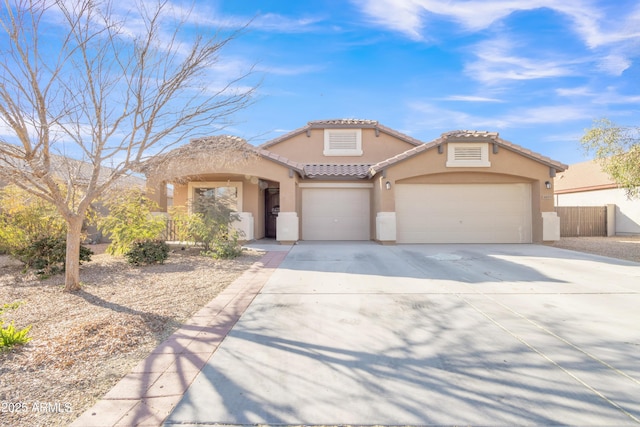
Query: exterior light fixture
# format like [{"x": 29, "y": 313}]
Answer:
[
  {"x": 548, "y": 185},
  {"x": 387, "y": 185}
]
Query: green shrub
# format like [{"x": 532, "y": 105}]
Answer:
[
  {"x": 129, "y": 220},
  {"x": 25, "y": 218},
  {"x": 147, "y": 252},
  {"x": 47, "y": 255},
  {"x": 225, "y": 247},
  {"x": 10, "y": 336}
]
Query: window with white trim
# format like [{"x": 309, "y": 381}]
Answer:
[
  {"x": 468, "y": 154},
  {"x": 342, "y": 142},
  {"x": 228, "y": 193}
]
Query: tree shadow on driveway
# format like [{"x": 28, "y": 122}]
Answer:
[{"x": 429, "y": 367}]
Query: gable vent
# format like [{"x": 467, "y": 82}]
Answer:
[
  {"x": 343, "y": 141},
  {"x": 468, "y": 153}
]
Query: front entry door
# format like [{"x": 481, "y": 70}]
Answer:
[{"x": 272, "y": 208}]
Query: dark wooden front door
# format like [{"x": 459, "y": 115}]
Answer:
[{"x": 272, "y": 207}]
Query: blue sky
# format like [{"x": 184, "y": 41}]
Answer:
[{"x": 537, "y": 71}]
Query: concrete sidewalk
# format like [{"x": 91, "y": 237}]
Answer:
[{"x": 147, "y": 395}]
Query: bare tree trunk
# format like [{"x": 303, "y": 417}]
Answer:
[{"x": 72, "y": 263}]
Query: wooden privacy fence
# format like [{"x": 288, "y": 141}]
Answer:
[{"x": 579, "y": 221}]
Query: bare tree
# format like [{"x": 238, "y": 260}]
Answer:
[{"x": 110, "y": 87}]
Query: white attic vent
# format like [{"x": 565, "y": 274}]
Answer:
[
  {"x": 342, "y": 142},
  {"x": 468, "y": 154}
]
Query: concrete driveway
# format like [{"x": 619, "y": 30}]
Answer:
[{"x": 489, "y": 335}]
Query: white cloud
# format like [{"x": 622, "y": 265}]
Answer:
[
  {"x": 495, "y": 62},
  {"x": 549, "y": 114},
  {"x": 433, "y": 116},
  {"x": 614, "y": 63},
  {"x": 290, "y": 70},
  {"x": 470, "y": 98},
  {"x": 601, "y": 28},
  {"x": 574, "y": 91},
  {"x": 399, "y": 15},
  {"x": 591, "y": 22},
  {"x": 428, "y": 116},
  {"x": 606, "y": 96}
]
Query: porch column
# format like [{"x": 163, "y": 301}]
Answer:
[
  {"x": 244, "y": 226},
  {"x": 287, "y": 222}
]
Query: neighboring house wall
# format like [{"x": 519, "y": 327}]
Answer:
[
  {"x": 627, "y": 211},
  {"x": 585, "y": 184}
]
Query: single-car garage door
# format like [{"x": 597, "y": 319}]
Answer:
[
  {"x": 336, "y": 214},
  {"x": 463, "y": 213}
]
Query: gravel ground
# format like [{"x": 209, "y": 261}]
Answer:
[
  {"x": 621, "y": 247},
  {"x": 83, "y": 343}
]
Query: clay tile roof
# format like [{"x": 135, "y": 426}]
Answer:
[
  {"x": 468, "y": 135},
  {"x": 584, "y": 176},
  {"x": 298, "y": 167},
  {"x": 343, "y": 122},
  {"x": 336, "y": 170}
]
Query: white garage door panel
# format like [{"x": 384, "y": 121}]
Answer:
[
  {"x": 335, "y": 214},
  {"x": 463, "y": 213}
]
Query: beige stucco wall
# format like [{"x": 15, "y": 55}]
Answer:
[
  {"x": 309, "y": 149},
  {"x": 427, "y": 167},
  {"x": 506, "y": 167}
]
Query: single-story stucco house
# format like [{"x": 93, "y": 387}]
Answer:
[
  {"x": 353, "y": 179},
  {"x": 585, "y": 184}
]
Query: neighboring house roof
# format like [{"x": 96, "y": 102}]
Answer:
[
  {"x": 79, "y": 172},
  {"x": 469, "y": 136},
  {"x": 584, "y": 176},
  {"x": 343, "y": 124}
]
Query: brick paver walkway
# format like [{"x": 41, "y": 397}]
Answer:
[{"x": 148, "y": 394}]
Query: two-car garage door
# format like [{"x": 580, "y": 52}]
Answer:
[{"x": 463, "y": 213}]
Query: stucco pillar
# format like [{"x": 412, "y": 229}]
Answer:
[
  {"x": 550, "y": 226},
  {"x": 287, "y": 226},
  {"x": 244, "y": 226},
  {"x": 386, "y": 227},
  {"x": 611, "y": 220},
  {"x": 287, "y": 222}
]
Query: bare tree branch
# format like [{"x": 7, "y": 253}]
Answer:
[{"x": 76, "y": 79}]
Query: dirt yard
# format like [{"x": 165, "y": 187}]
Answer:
[
  {"x": 84, "y": 343},
  {"x": 621, "y": 247}
]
